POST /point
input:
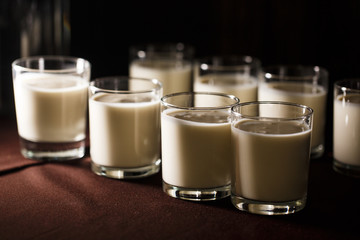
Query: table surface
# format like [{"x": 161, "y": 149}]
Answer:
[{"x": 67, "y": 201}]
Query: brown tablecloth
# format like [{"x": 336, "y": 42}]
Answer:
[{"x": 67, "y": 201}]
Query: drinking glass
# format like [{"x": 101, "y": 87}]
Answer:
[
  {"x": 196, "y": 156},
  {"x": 51, "y": 106},
  {"x": 235, "y": 74},
  {"x": 170, "y": 63},
  {"x": 271, "y": 147},
  {"x": 124, "y": 117},
  {"x": 307, "y": 85},
  {"x": 346, "y": 138}
]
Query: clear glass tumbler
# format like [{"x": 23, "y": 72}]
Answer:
[
  {"x": 271, "y": 146},
  {"x": 196, "y": 156},
  {"x": 307, "y": 85},
  {"x": 51, "y": 106},
  {"x": 124, "y": 117},
  {"x": 234, "y": 74},
  {"x": 346, "y": 139},
  {"x": 170, "y": 63}
]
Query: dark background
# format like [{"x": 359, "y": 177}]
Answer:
[
  {"x": 309, "y": 32},
  {"x": 315, "y": 32}
]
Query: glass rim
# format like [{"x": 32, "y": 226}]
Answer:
[
  {"x": 162, "y": 46},
  {"x": 157, "y": 85},
  {"x": 344, "y": 84},
  {"x": 162, "y": 50},
  {"x": 16, "y": 63},
  {"x": 229, "y": 96},
  {"x": 303, "y": 116},
  {"x": 317, "y": 70},
  {"x": 248, "y": 60}
]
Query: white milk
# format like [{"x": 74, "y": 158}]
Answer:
[
  {"x": 175, "y": 76},
  {"x": 347, "y": 129},
  {"x": 124, "y": 132},
  {"x": 195, "y": 148},
  {"x": 271, "y": 160},
  {"x": 241, "y": 86},
  {"x": 51, "y": 108},
  {"x": 305, "y": 94}
]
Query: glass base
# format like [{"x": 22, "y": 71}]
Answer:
[
  {"x": 48, "y": 151},
  {"x": 317, "y": 152},
  {"x": 267, "y": 208},
  {"x": 206, "y": 194},
  {"x": 126, "y": 173},
  {"x": 346, "y": 169}
]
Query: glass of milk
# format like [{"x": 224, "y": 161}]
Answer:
[
  {"x": 170, "y": 63},
  {"x": 346, "y": 128},
  {"x": 124, "y": 119},
  {"x": 235, "y": 75},
  {"x": 307, "y": 85},
  {"x": 271, "y": 147},
  {"x": 196, "y": 149},
  {"x": 51, "y": 106}
]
